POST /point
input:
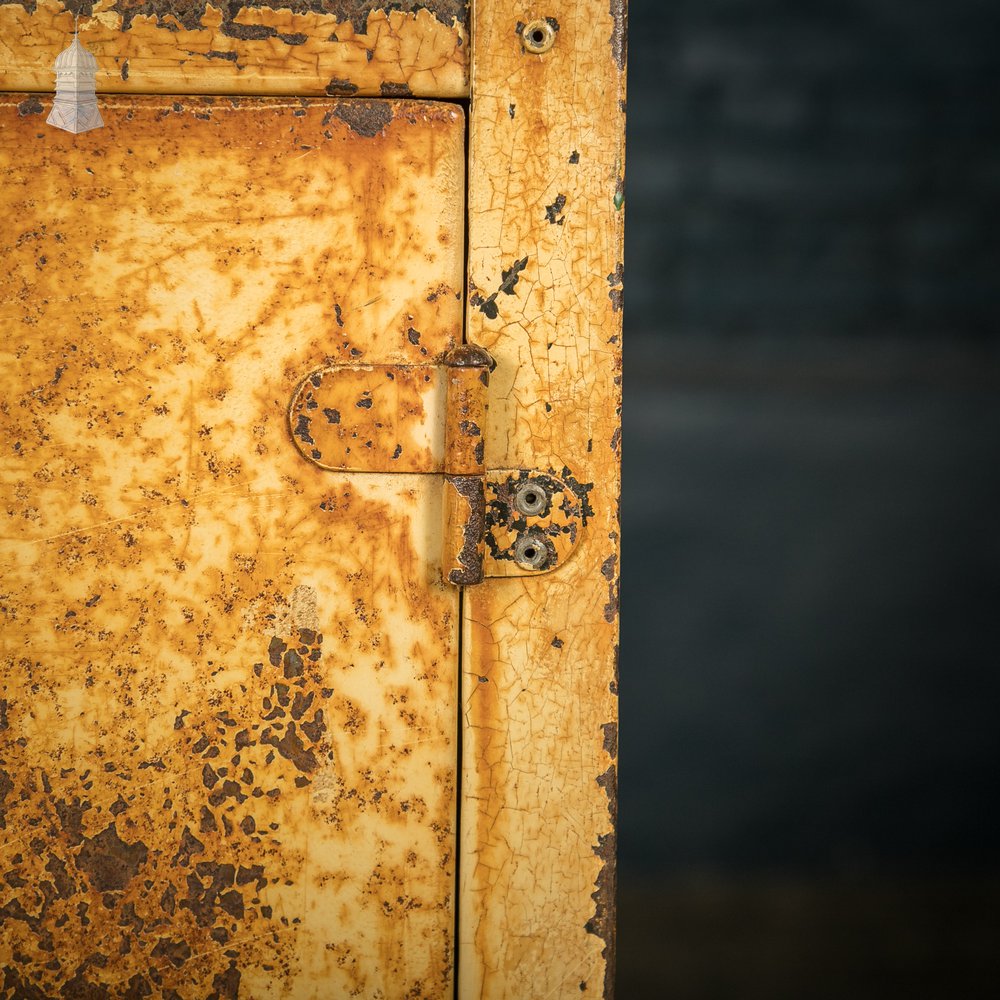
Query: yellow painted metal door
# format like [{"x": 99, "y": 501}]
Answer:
[{"x": 228, "y": 719}]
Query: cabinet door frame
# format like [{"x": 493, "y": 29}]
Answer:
[
  {"x": 539, "y": 676},
  {"x": 538, "y": 701}
]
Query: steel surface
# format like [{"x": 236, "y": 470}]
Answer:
[{"x": 228, "y": 710}]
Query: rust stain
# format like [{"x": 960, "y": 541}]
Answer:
[
  {"x": 189, "y": 46},
  {"x": 467, "y": 369},
  {"x": 30, "y": 106},
  {"x": 616, "y": 279},
  {"x": 602, "y": 923},
  {"x": 227, "y": 761},
  {"x": 464, "y": 527},
  {"x": 539, "y": 692},
  {"x": 609, "y": 572},
  {"x": 619, "y": 32},
  {"x": 367, "y": 118}
]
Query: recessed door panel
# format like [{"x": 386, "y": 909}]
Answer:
[{"x": 227, "y": 737}]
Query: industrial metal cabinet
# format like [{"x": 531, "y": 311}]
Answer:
[{"x": 310, "y": 435}]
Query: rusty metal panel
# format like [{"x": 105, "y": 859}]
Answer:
[
  {"x": 539, "y": 671},
  {"x": 227, "y": 755},
  {"x": 311, "y": 47}
]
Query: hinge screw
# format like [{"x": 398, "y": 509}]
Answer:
[
  {"x": 531, "y": 551},
  {"x": 539, "y": 36},
  {"x": 531, "y": 499}
]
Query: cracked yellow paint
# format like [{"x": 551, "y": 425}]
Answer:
[
  {"x": 228, "y": 708},
  {"x": 199, "y": 47},
  {"x": 539, "y": 669}
]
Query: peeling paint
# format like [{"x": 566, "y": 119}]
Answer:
[
  {"x": 191, "y": 14},
  {"x": 553, "y": 212},
  {"x": 468, "y": 519},
  {"x": 30, "y": 106},
  {"x": 366, "y": 118},
  {"x": 602, "y": 923},
  {"x": 619, "y": 32},
  {"x": 409, "y": 46},
  {"x": 616, "y": 280},
  {"x": 608, "y": 571}
]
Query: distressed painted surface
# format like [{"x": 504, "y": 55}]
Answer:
[
  {"x": 468, "y": 376},
  {"x": 388, "y": 48},
  {"x": 539, "y": 682},
  {"x": 227, "y": 764},
  {"x": 555, "y": 529}
]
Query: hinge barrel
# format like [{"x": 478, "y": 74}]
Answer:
[{"x": 466, "y": 405}]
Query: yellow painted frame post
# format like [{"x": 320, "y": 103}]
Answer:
[{"x": 539, "y": 672}]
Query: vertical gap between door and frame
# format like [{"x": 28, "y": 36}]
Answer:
[{"x": 459, "y": 685}]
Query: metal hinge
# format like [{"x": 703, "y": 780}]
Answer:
[{"x": 431, "y": 418}]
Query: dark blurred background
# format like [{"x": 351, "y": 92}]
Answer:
[{"x": 810, "y": 664}]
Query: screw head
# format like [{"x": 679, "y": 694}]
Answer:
[
  {"x": 538, "y": 36},
  {"x": 531, "y": 499},
  {"x": 531, "y": 551}
]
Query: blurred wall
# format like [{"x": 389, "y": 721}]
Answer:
[
  {"x": 821, "y": 168},
  {"x": 811, "y": 541}
]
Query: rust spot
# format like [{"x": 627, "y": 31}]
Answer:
[
  {"x": 609, "y": 574},
  {"x": 291, "y": 747},
  {"x": 226, "y": 985},
  {"x": 602, "y": 923},
  {"x": 555, "y": 526},
  {"x": 20, "y": 988},
  {"x": 619, "y": 31},
  {"x": 611, "y": 739},
  {"x": 109, "y": 861},
  {"x": 71, "y": 818},
  {"x": 395, "y": 90},
  {"x": 581, "y": 491},
  {"x": 553, "y": 212},
  {"x": 189, "y": 846},
  {"x": 189, "y": 13},
  {"x": 508, "y": 279},
  {"x": 365, "y": 118},
  {"x": 175, "y": 952},
  {"x": 616, "y": 280},
  {"x": 340, "y": 88},
  {"x": 30, "y": 106},
  {"x": 470, "y": 555}
]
